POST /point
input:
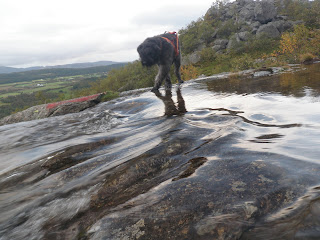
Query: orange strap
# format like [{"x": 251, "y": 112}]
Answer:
[{"x": 176, "y": 48}]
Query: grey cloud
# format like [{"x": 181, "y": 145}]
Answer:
[
  {"x": 42, "y": 52},
  {"x": 71, "y": 39},
  {"x": 176, "y": 16}
]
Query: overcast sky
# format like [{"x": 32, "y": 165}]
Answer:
[{"x": 52, "y": 32}]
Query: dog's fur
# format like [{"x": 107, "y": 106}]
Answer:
[{"x": 156, "y": 50}]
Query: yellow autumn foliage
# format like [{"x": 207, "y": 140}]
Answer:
[
  {"x": 189, "y": 72},
  {"x": 298, "y": 43}
]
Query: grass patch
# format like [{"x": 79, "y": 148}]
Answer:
[{"x": 109, "y": 96}]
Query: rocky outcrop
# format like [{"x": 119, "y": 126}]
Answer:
[
  {"x": 264, "y": 11},
  {"x": 191, "y": 58},
  {"x": 269, "y": 30},
  {"x": 53, "y": 109},
  {"x": 250, "y": 19},
  {"x": 242, "y": 11},
  {"x": 220, "y": 44},
  {"x": 244, "y": 36}
]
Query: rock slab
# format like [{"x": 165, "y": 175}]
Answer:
[{"x": 53, "y": 109}]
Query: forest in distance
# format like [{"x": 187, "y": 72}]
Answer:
[{"x": 20, "y": 90}]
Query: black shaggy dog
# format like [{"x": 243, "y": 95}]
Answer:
[{"x": 163, "y": 50}]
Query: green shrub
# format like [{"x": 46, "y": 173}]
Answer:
[
  {"x": 242, "y": 62},
  {"x": 207, "y": 55},
  {"x": 298, "y": 44},
  {"x": 308, "y": 11},
  {"x": 109, "y": 96},
  {"x": 131, "y": 76},
  {"x": 226, "y": 29},
  {"x": 189, "y": 37},
  {"x": 206, "y": 31}
]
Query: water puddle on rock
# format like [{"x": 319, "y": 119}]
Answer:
[{"x": 234, "y": 158}]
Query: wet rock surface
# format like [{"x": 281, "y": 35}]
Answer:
[
  {"x": 53, "y": 109},
  {"x": 231, "y": 158}
]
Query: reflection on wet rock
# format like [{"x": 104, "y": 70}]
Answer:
[
  {"x": 267, "y": 138},
  {"x": 170, "y": 108}
]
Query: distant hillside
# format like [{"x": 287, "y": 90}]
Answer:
[
  {"x": 8, "y": 69},
  {"x": 54, "y": 72},
  {"x": 84, "y": 65},
  {"x": 4, "y": 69}
]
